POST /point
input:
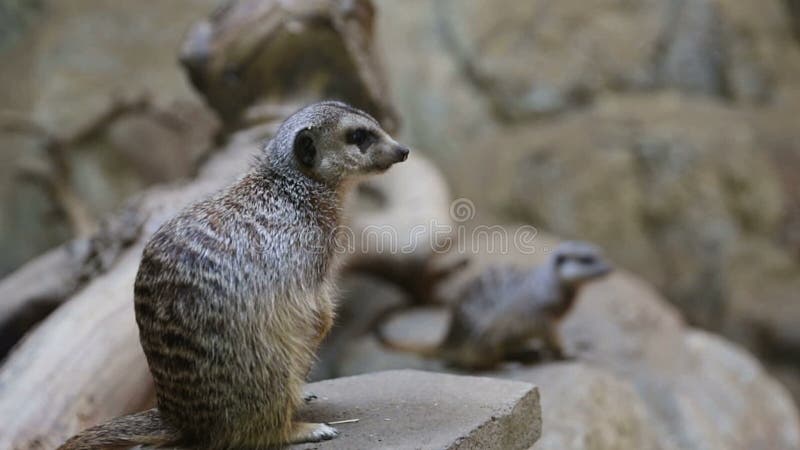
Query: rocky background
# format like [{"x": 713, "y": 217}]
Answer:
[{"x": 662, "y": 130}]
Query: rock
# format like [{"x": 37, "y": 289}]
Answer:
[
  {"x": 789, "y": 375},
  {"x": 161, "y": 150},
  {"x": 691, "y": 55},
  {"x": 424, "y": 325},
  {"x": 140, "y": 149},
  {"x": 71, "y": 59},
  {"x": 560, "y": 52},
  {"x": 622, "y": 322},
  {"x": 682, "y": 376},
  {"x": 587, "y": 408},
  {"x": 15, "y": 16},
  {"x": 91, "y": 44},
  {"x": 419, "y": 410},
  {"x": 763, "y": 56},
  {"x": 439, "y": 108},
  {"x": 542, "y": 58},
  {"x": 255, "y": 55},
  {"x": 794, "y": 10},
  {"x": 366, "y": 355},
  {"x": 726, "y": 398}
]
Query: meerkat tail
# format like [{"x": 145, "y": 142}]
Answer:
[{"x": 144, "y": 428}]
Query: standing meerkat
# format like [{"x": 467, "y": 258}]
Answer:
[
  {"x": 504, "y": 308},
  {"x": 234, "y": 295}
]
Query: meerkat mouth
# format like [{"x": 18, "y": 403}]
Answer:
[{"x": 383, "y": 167}]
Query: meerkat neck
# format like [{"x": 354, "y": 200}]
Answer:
[
  {"x": 555, "y": 294},
  {"x": 296, "y": 185},
  {"x": 319, "y": 201}
]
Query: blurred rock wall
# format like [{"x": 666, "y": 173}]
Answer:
[
  {"x": 665, "y": 130},
  {"x": 64, "y": 64}
]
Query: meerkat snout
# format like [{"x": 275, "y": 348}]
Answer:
[
  {"x": 380, "y": 149},
  {"x": 402, "y": 152},
  {"x": 578, "y": 262}
]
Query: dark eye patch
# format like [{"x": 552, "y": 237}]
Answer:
[
  {"x": 560, "y": 259},
  {"x": 588, "y": 259},
  {"x": 361, "y": 137}
]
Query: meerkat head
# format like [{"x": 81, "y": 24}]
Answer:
[
  {"x": 577, "y": 262},
  {"x": 331, "y": 141}
]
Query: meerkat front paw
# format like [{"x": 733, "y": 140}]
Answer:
[
  {"x": 312, "y": 432},
  {"x": 324, "y": 432}
]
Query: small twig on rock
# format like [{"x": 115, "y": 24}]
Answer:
[{"x": 339, "y": 422}]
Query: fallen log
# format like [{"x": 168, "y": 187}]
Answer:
[
  {"x": 57, "y": 381},
  {"x": 33, "y": 291}
]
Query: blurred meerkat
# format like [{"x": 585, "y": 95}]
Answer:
[
  {"x": 234, "y": 295},
  {"x": 504, "y": 308}
]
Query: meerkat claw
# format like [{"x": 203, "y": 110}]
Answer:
[
  {"x": 309, "y": 397},
  {"x": 313, "y": 432},
  {"x": 324, "y": 432}
]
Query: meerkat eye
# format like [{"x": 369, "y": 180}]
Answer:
[
  {"x": 360, "y": 137},
  {"x": 560, "y": 259},
  {"x": 587, "y": 260}
]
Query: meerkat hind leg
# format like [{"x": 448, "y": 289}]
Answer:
[{"x": 311, "y": 432}]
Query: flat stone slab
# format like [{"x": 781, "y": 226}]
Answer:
[{"x": 409, "y": 409}]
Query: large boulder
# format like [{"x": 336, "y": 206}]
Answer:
[
  {"x": 725, "y": 397},
  {"x": 588, "y": 408}
]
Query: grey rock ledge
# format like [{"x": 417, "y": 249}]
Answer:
[{"x": 408, "y": 409}]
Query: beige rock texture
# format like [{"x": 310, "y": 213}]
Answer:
[
  {"x": 605, "y": 412},
  {"x": 662, "y": 130},
  {"x": 66, "y": 62}
]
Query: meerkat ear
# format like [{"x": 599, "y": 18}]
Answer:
[{"x": 304, "y": 149}]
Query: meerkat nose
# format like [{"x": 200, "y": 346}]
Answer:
[{"x": 402, "y": 153}]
